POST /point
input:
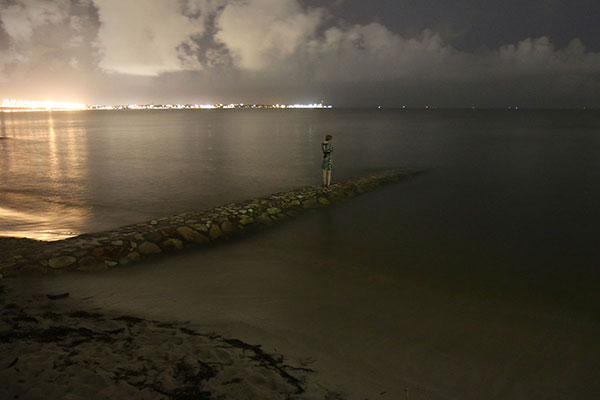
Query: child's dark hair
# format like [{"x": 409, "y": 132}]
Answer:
[{"x": 328, "y": 137}]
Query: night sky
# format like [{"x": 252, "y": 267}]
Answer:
[{"x": 536, "y": 53}]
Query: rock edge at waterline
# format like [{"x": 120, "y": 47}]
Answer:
[{"x": 133, "y": 243}]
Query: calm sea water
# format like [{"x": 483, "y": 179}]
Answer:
[
  {"x": 478, "y": 279},
  {"x": 67, "y": 173}
]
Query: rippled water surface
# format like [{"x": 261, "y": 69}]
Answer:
[{"x": 477, "y": 279}]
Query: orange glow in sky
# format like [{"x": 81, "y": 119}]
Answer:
[{"x": 41, "y": 105}]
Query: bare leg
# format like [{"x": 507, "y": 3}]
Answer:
[
  {"x": 324, "y": 177},
  {"x": 328, "y": 178}
]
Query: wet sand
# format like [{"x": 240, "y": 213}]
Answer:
[{"x": 54, "y": 347}]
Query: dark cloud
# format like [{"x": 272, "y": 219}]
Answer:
[
  {"x": 472, "y": 24},
  {"x": 349, "y": 52}
]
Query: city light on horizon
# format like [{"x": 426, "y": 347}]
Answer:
[
  {"x": 37, "y": 105},
  {"x": 18, "y": 105}
]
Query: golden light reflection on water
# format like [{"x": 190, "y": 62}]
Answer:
[
  {"x": 43, "y": 176},
  {"x": 52, "y": 159},
  {"x": 36, "y": 222}
]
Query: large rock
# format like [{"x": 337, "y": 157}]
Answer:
[
  {"x": 190, "y": 235},
  {"x": 246, "y": 220},
  {"x": 172, "y": 244},
  {"x": 80, "y": 253},
  {"x": 229, "y": 227},
  {"x": 200, "y": 227},
  {"x": 106, "y": 252},
  {"x": 168, "y": 231},
  {"x": 153, "y": 237},
  {"x": 132, "y": 257},
  {"x": 215, "y": 232},
  {"x": 61, "y": 261},
  {"x": 264, "y": 219},
  {"x": 149, "y": 248},
  {"x": 310, "y": 203}
]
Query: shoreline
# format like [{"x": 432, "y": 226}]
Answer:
[{"x": 135, "y": 243}]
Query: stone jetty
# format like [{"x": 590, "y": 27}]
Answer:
[{"x": 133, "y": 243}]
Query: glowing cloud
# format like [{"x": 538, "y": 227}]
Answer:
[
  {"x": 258, "y": 32},
  {"x": 144, "y": 40}
]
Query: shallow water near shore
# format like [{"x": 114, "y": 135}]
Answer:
[{"x": 475, "y": 280}]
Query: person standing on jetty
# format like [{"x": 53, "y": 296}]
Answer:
[{"x": 327, "y": 165}]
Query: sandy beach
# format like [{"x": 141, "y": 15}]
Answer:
[{"x": 52, "y": 348}]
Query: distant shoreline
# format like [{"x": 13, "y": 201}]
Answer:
[{"x": 278, "y": 109}]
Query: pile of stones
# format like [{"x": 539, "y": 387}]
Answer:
[{"x": 134, "y": 243}]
